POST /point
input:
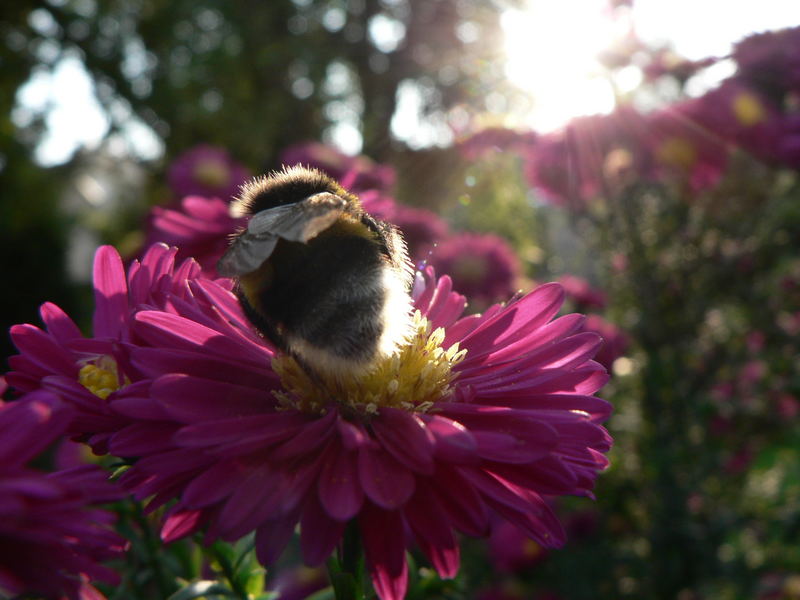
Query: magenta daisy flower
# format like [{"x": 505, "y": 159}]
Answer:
[
  {"x": 479, "y": 415},
  {"x": 51, "y": 538},
  {"x": 94, "y": 374},
  {"x": 206, "y": 171},
  {"x": 476, "y": 416},
  {"x": 483, "y": 266}
]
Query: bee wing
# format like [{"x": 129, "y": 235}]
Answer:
[{"x": 298, "y": 222}]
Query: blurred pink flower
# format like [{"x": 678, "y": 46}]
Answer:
[
  {"x": 483, "y": 267},
  {"x": 770, "y": 61},
  {"x": 421, "y": 228},
  {"x": 356, "y": 173},
  {"x": 51, "y": 538},
  {"x": 511, "y": 550},
  {"x": 683, "y": 147},
  {"x": 581, "y": 292},
  {"x": 199, "y": 228},
  {"x": 592, "y": 154},
  {"x": 207, "y": 171},
  {"x": 496, "y": 139},
  {"x": 615, "y": 342}
]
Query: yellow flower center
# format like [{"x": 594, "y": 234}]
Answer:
[
  {"x": 677, "y": 152},
  {"x": 212, "y": 173},
  {"x": 414, "y": 378},
  {"x": 748, "y": 110},
  {"x": 102, "y": 377}
]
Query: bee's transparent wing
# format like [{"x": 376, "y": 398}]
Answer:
[{"x": 298, "y": 222}]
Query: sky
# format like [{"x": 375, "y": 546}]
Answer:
[{"x": 550, "y": 47}]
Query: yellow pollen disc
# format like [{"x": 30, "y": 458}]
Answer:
[
  {"x": 101, "y": 377},
  {"x": 212, "y": 173},
  {"x": 414, "y": 378},
  {"x": 748, "y": 109},
  {"x": 677, "y": 152}
]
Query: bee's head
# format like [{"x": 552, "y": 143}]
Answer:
[{"x": 290, "y": 185}]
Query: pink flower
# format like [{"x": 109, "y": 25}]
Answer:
[
  {"x": 770, "y": 61},
  {"x": 94, "y": 374},
  {"x": 483, "y": 267},
  {"x": 51, "y": 539},
  {"x": 199, "y": 227},
  {"x": 206, "y": 171},
  {"x": 481, "y": 415},
  {"x": 615, "y": 342},
  {"x": 591, "y": 154},
  {"x": 511, "y": 550},
  {"x": 356, "y": 173},
  {"x": 496, "y": 139},
  {"x": 581, "y": 292},
  {"x": 421, "y": 228}
]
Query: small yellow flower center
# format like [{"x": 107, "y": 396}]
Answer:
[
  {"x": 101, "y": 377},
  {"x": 531, "y": 549},
  {"x": 747, "y": 109},
  {"x": 677, "y": 152},
  {"x": 414, "y": 378},
  {"x": 212, "y": 173}
]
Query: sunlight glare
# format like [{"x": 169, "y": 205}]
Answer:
[{"x": 551, "y": 50}]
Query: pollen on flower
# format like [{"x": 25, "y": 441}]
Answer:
[
  {"x": 748, "y": 110},
  {"x": 414, "y": 378},
  {"x": 101, "y": 377}
]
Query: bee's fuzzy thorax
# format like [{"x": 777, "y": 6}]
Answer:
[{"x": 289, "y": 185}]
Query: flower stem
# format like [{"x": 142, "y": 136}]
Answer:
[{"x": 346, "y": 571}]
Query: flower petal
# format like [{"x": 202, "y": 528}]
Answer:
[
  {"x": 110, "y": 293},
  {"x": 319, "y": 533},
  {"x": 405, "y": 437},
  {"x": 339, "y": 489},
  {"x": 432, "y": 530},
  {"x": 382, "y": 533},
  {"x": 385, "y": 481}
]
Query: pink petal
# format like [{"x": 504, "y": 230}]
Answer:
[
  {"x": 42, "y": 350},
  {"x": 339, "y": 489},
  {"x": 454, "y": 442},
  {"x": 385, "y": 481},
  {"x": 319, "y": 534},
  {"x": 171, "y": 331},
  {"x": 29, "y": 425},
  {"x": 192, "y": 399},
  {"x": 272, "y": 537},
  {"x": 110, "y": 293},
  {"x": 181, "y": 524},
  {"x": 405, "y": 437},
  {"x": 526, "y": 315},
  {"x": 464, "y": 506},
  {"x": 59, "y": 325},
  {"x": 432, "y": 530},
  {"x": 383, "y": 535},
  {"x": 214, "y": 484}
]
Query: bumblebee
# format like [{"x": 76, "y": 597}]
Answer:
[{"x": 318, "y": 276}]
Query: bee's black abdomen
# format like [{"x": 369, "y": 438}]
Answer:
[{"x": 329, "y": 294}]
